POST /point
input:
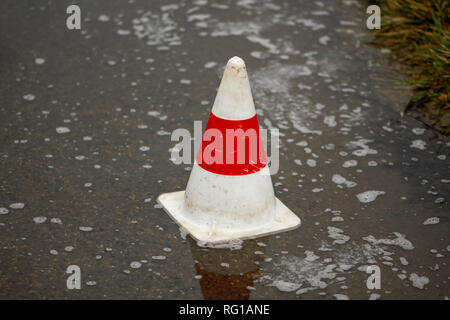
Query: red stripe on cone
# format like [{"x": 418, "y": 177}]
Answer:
[{"x": 232, "y": 147}]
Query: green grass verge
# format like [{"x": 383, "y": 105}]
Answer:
[{"x": 418, "y": 33}]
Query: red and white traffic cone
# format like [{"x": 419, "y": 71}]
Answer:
[{"x": 229, "y": 194}]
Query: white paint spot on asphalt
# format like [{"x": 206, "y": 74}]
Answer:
[
  {"x": 39, "y": 219},
  {"x": 284, "y": 286},
  {"x": 330, "y": 121},
  {"x": 340, "y": 180},
  {"x": 17, "y": 205},
  {"x": 364, "y": 148},
  {"x": 338, "y": 235},
  {"x": 432, "y": 220},
  {"x": 324, "y": 40},
  {"x": 56, "y": 220},
  {"x": 418, "y": 281},
  {"x": 374, "y": 296},
  {"x": 311, "y": 162},
  {"x": 350, "y": 163},
  {"x": 62, "y": 130},
  {"x": 418, "y": 144},
  {"x": 210, "y": 65},
  {"x": 369, "y": 196},
  {"x": 123, "y": 32},
  {"x": 418, "y": 131},
  {"x": 399, "y": 241},
  {"x": 29, "y": 97},
  {"x": 135, "y": 265},
  {"x": 103, "y": 18}
]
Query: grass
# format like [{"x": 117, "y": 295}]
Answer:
[{"x": 418, "y": 33}]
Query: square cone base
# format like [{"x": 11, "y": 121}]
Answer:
[{"x": 173, "y": 204}]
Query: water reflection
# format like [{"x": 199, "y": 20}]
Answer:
[{"x": 228, "y": 274}]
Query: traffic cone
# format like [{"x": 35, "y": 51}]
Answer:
[{"x": 230, "y": 196}]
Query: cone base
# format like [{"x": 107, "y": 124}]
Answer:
[{"x": 173, "y": 204}]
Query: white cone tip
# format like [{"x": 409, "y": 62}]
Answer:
[
  {"x": 234, "y": 99},
  {"x": 236, "y": 62}
]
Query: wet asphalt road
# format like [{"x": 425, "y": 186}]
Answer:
[{"x": 86, "y": 117}]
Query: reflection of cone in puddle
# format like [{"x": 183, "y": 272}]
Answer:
[
  {"x": 225, "y": 286},
  {"x": 227, "y": 274},
  {"x": 229, "y": 194}
]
